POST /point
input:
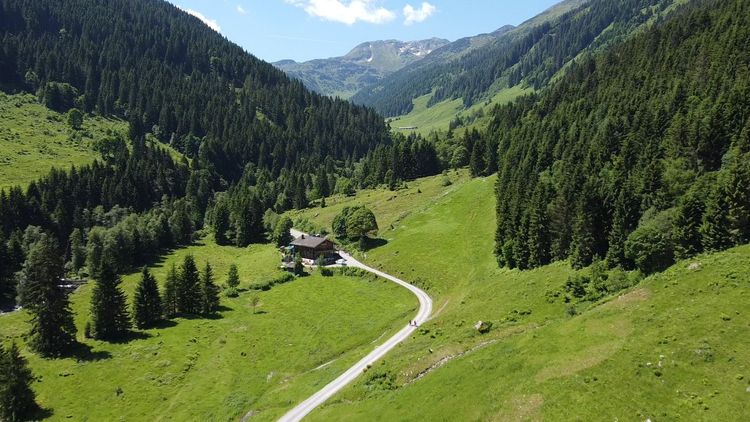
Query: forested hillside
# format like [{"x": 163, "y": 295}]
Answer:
[
  {"x": 158, "y": 66},
  {"x": 637, "y": 156},
  {"x": 530, "y": 54},
  {"x": 241, "y": 121}
]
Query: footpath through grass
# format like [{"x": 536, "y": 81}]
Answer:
[
  {"x": 33, "y": 139},
  {"x": 219, "y": 369},
  {"x": 672, "y": 347}
]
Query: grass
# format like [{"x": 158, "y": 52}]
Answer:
[
  {"x": 34, "y": 139},
  {"x": 221, "y": 368},
  {"x": 672, "y": 347},
  {"x": 428, "y": 119},
  {"x": 438, "y": 117}
]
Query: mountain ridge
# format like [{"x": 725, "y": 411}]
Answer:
[{"x": 363, "y": 65}]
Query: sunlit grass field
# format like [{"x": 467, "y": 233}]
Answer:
[{"x": 221, "y": 368}]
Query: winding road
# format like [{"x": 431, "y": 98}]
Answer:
[{"x": 425, "y": 309}]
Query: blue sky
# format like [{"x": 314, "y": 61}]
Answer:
[{"x": 311, "y": 29}]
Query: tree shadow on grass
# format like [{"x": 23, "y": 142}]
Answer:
[
  {"x": 82, "y": 352},
  {"x": 131, "y": 335},
  {"x": 164, "y": 324},
  {"x": 371, "y": 244},
  {"x": 40, "y": 413}
]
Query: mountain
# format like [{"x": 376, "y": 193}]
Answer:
[
  {"x": 149, "y": 61},
  {"x": 528, "y": 56},
  {"x": 640, "y": 155},
  {"x": 365, "y": 65},
  {"x": 242, "y": 123}
]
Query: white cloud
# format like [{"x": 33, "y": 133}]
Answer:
[
  {"x": 241, "y": 10},
  {"x": 348, "y": 12},
  {"x": 211, "y": 23},
  {"x": 412, "y": 15}
]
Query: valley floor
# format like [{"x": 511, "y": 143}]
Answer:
[
  {"x": 304, "y": 334},
  {"x": 670, "y": 347}
]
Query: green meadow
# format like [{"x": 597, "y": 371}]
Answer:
[
  {"x": 673, "y": 346},
  {"x": 303, "y": 335},
  {"x": 437, "y": 117},
  {"x": 34, "y": 139}
]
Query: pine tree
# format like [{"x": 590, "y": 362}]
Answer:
[
  {"x": 209, "y": 292},
  {"x": 77, "y": 250},
  {"x": 17, "y": 399},
  {"x": 147, "y": 309},
  {"x": 623, "y": 223},
  {"x": 7, "y": 284},
  {"x": 737, "y": 191},
  {"x": 477, "y": 165},
  {"x": 110, "y": 319},
  {"x": 188, "y": 288},
  {"x": 716, "y": 229},
  {"x": 170, "y": 293},
  {"x": 221, "y": 223},
  {"x": 687, "y": 227},
  {"x": 233, "y": 278},
  {"x": 53, "y": 331}
]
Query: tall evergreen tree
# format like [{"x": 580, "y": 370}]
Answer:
[
  {"x": 53, "y": 331},
  {"x": 170, "y": 304},
  {"x": 77, "y": 250},
  {"x": 221, "y": 222},
  {"x": 209, "y": 292},
  {"x": 7, "y": 283},
  {"x": 233, "y": 277},
  {"x": 147, "y": 309},
  {"x": 17, "y": 399},
  {"x": 687, "y": 227},
  {"x": 716, "y": 227},
  {"x": 110, "y": 319},
  {"x": 188, "y": 288}
]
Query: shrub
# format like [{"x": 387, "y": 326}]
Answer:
[
  {"x": 267, "y": 285},
  {"x": 231, "y": 292},
  {"x": 651, "y": 246}
]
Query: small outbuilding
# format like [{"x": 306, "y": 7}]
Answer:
[{"x": 312, "y": 247}]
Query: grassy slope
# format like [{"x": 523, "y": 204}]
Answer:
[
  {"x": 671, "y": 347},
  {"x": 33, "y": 139},
  {"x": 217, "y": 369},
  {"x": 438, "y": 117}
]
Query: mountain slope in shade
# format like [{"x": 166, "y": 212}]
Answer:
[
  {"x": 529, "y": 55},
  {"x": 365, "y": 65}
]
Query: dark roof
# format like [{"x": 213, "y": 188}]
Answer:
[{"x": 309, "y": 241}]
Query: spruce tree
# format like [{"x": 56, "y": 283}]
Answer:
[
  {"x": 687, "y": 226},
  {"x": 715, "y": 229},
  {"x": 736, "y": 186},
  {"x": 110, "y": 319},
  {"x": 7, "y": 285},
  {"x": 233, "y": 278},
  {"x": 17, "y": 399},
  {"x": 170, "y": 305},
  {"x": 77, "y": 250},
  {"x": 221, "y": 223},
  {"x": 52, "y": 330},
  {"x": 209, "y": 292},
  {"x": 147, "y": 310},
  {"x": 188, "y": 288}
]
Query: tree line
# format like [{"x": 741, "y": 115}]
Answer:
[{"x": 637, "y": 156}]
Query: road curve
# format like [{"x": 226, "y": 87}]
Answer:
[{"x": 425, "y": 309}]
